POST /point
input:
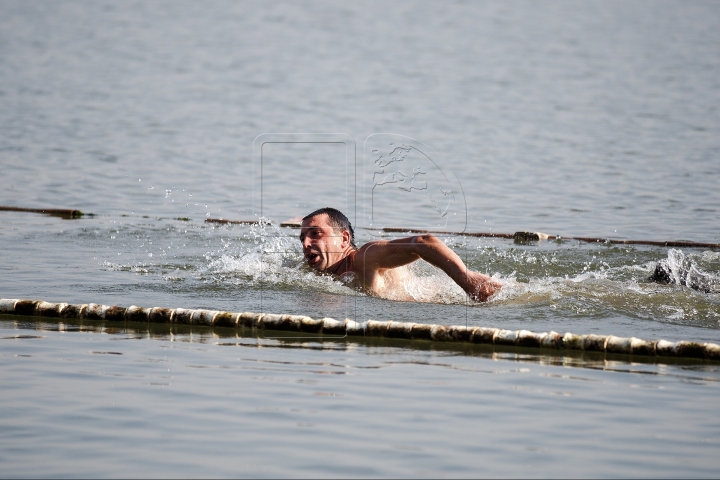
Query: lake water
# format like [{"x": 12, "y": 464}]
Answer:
[{"x": 593, "y": 119}]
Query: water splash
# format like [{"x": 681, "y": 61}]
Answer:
[
  {"x": 692, "y": 270},
  {"x": 267, "y": 256},
  {"x": 425, "y": 283},
  {"x": 563, "y": 281}
]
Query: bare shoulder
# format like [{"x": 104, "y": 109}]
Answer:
[
  {"x": 368, "y": 255},
  {"x": 386, "y": 254},
  {"x": 371, "y": 247}
]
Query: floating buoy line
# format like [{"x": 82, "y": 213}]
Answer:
[
  {"x": 518, "y": 237},
  {"x": 369, "y": 328}
]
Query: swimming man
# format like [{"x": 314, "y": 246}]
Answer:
[{"x": 328, "y": 243}]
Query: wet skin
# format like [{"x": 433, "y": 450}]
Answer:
[{"x": 376, "y": 263}]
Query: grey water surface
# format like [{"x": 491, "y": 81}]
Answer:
[{"x": 577, "y": 119}]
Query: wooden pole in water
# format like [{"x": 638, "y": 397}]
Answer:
[
  {"x": 58, "y": 212},
  {"x": 222, "y": 221},
  {"x": 370, "y": 328}
]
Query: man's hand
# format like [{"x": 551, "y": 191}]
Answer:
[{"x": 480, "y": 287}]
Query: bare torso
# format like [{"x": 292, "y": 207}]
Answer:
[
  {"x": 379, "y": 268},
  {"x": 378, "y": 282}
]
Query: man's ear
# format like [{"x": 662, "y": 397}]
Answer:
[{"x": 345, "y": 239}]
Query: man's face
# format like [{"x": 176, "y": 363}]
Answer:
[{"x": 322, "y": 246}]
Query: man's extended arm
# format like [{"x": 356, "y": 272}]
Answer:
[{"x": 383, "y": 254}]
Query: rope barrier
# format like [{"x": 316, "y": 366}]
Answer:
[
  {"x": 370, "y": 328},
  {"x": 518, "y": 237},
  {"x": 522, "y": 237}
]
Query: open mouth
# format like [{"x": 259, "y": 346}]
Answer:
[{"x": 312, "y": 258}]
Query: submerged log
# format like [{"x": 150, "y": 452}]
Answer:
[{"x": 56, "y": 212}]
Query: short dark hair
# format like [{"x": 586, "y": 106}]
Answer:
[{"x": 337, "y": 220}]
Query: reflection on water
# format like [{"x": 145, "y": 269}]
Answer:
[
  {"x": 215, "y": 402},
  {"x": 222, "y": 336}
]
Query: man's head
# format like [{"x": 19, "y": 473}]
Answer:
[{"x": 327, "y": 236}]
